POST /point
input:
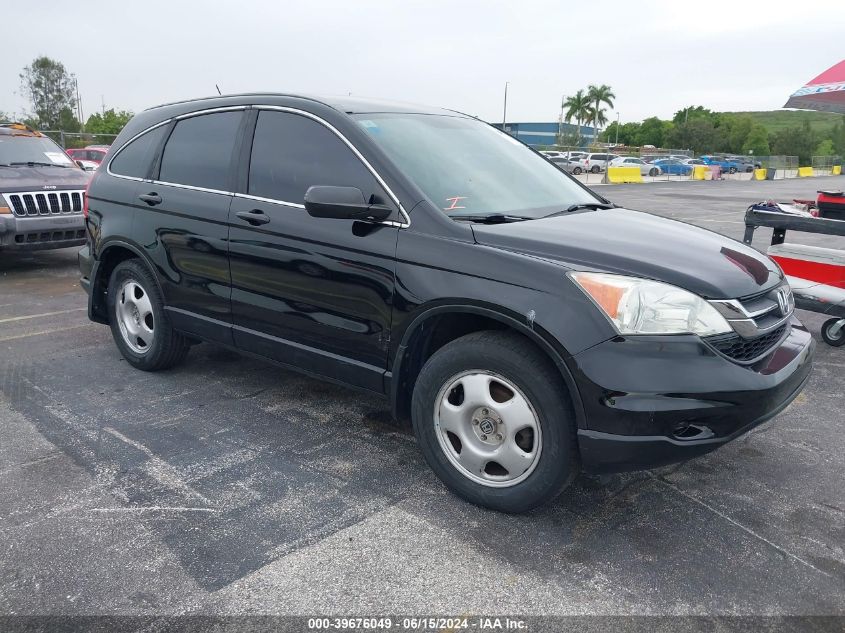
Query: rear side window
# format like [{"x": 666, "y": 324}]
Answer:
[
  {"x": 199, "y": 151},
  {"x": 291, "y": 153},
  {"x": 135, "y": 158}
]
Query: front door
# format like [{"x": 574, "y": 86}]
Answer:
[{"x": 311, "y": 292}]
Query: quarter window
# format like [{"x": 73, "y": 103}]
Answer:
[
  {"x": 291, "y": 153},
  {"x": 199, "y": 151},
  {"x": 135, "y": 158}
]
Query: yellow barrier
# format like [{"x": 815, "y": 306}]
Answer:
[
  {"x": 836, "y": 170},
  {"x": 759, "y": 174},
  {"x": 803, "y": 172},
  {"x": 624, "y": 174},
  {"x": 699, "y": 172}
]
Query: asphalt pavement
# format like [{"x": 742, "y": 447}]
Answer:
[{"x": 230, "y": 486}]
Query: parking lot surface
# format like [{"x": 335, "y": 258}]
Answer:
[{"x": 230, "y": 486}]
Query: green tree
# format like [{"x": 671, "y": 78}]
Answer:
[
  {"x": 825, "y": 148},
  {"x": 757, "y": 141},
  {"x": 109, "y": 122},
  {"x": 576, "y": 107},
  {"x": 796, "y": 141},
  {"x": 599, "y": 96},
  {"x": 736, "y": 132},
  {"x": 692, "y": 113},
  {"x": 651, "y": 132},
  {"x": 699, "y": 135},
  {"x": 627, "y": 133},
  {"x": 50, "y": 89}
]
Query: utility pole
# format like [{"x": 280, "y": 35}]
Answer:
[
  {"x": 103, "y": 102},
  {"x": 617, "y": 129},
  {"x": 78, "y": 103},
  {"x": 505, "y": 109}
]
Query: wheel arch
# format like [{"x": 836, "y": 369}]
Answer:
[
  {"x": 111, "y": 254},
  {"x": 437, "y": 326}
]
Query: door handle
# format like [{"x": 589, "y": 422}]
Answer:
[
  {"x": 151, "y": 198},
  {"x": 254, "y": 217}
]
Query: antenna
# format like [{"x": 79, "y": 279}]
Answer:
[{"x": 218, "y": 90}]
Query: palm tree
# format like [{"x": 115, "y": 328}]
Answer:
[
  {"x": 577, "y": 107},
  {"x": 598, "y": 95}
]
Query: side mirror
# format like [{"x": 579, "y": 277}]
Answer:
[
  {"x": 343, "y": 203},
  {"x": 80, "y": 164}
]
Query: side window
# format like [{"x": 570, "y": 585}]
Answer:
[
  {"x": 291, "y": 153},
  {"x": 199, "y": 151},
  {"x": 135, "y": 158}
]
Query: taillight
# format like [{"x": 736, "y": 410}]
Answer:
[{"x": 85, "y": 198}]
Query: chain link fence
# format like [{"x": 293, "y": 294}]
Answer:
[
  {"x": 72, "y": 140},
  {"x": 823, "y": 165}
]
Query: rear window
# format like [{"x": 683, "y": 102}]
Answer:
[
  {"x": 135, "y": 157},
  {"x": 199, "y": 151}
]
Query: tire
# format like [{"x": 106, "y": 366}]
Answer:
[
  {"x": 595, "y": 169},
  {"x": 528, "y": 426},
  {"x": 139, "y": 325},
  {"x": 732, "y": 170},
  {"x": 837, "y": 340},
  {"x": 577, "y": 171},
  {"x": 652, "y": 172}
]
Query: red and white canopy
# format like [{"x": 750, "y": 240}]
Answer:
[{"x": 825, "y": 93}]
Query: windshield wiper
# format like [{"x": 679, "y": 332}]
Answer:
[
  {"x": 493, "y": 218},
  {"x": 579, "y": 206},
  {"x": 35, "y": 163}
]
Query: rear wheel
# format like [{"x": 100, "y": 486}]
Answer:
[
  {"x": 833, "y": 332},
  {"x": 653, "y": 172},
  {"x": 577, "y": 171},
  {"x": 732, "y": 170},
  {"x": 494, "y": 423},
  {"x": 595, "y": 169},
  {"x": 140, "y": 327}
]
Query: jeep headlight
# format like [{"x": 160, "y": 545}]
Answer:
[{"x": 642, "y": 306}]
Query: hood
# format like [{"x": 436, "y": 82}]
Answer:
[
  {"x": 35, "y": 178},
  {"x": 640, "y": 245}
]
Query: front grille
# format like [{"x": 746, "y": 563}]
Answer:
[
  {"x": 37, "y": 203},
  {"x": 746, "y": 350}
]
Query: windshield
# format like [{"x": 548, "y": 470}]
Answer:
[
  {"x": 468, "y": 168},
  {"x": 32, "y": 149}
]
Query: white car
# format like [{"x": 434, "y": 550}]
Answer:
[
  {"x": 646, "y": 169},
  {"x": 596, "y": 163}
]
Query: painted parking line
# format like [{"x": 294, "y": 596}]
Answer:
[
  {"x": 43, "y": 314},
  {"x": 53, "y": 331}
]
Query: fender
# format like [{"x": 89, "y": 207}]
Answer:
[
  {"x": 532, "y": 332},
  {"x": 94, "y": 312}
]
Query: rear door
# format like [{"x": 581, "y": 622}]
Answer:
[
  {"x": 186, "y": 220},
  {"x": 314, "y": 293}
]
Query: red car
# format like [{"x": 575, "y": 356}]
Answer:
[{"x": 92, "y": 153}]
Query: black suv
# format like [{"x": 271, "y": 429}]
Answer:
[
  {"x": 526, "y": 326},
  {"x": 42, "y": 192}
]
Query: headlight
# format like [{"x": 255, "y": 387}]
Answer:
[{"x": 641, "y": 306}]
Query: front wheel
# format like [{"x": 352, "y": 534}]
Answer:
[
  {"x": 140, "y": 327},
  {"x": 652, "y": 172},
  {"x": 494, "y": 422},
  {"x": 577, "y": 171},
  {"x": 732, "y": 170},
  {"x": 833, "y": 332},
  {"x": 595, "y": 169}
]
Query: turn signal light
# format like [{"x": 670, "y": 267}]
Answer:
[{"x": 5, "y": 211}]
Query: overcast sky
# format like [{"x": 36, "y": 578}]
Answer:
[{"x": 657, "y": 57}]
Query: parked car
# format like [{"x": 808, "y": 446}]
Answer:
[
  {"x": 571, "y": 166},
  {"x": 42, "y": 192},
  {"x": 551, "y": 154},
  {"x": 693, "y": 161},
  {"x": 633, "y": 161},
  {"x": 674, "y": 167},
  {"x": 728, "y": 165},
  {"x": 91, "y": 154},
  {"x": 528, "y": 327},
  {"x": 596, "y": 163}
]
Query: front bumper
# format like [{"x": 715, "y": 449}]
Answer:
[
  {"x": 654, "y": 400},
  {"x": 41, "y": 232}
]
